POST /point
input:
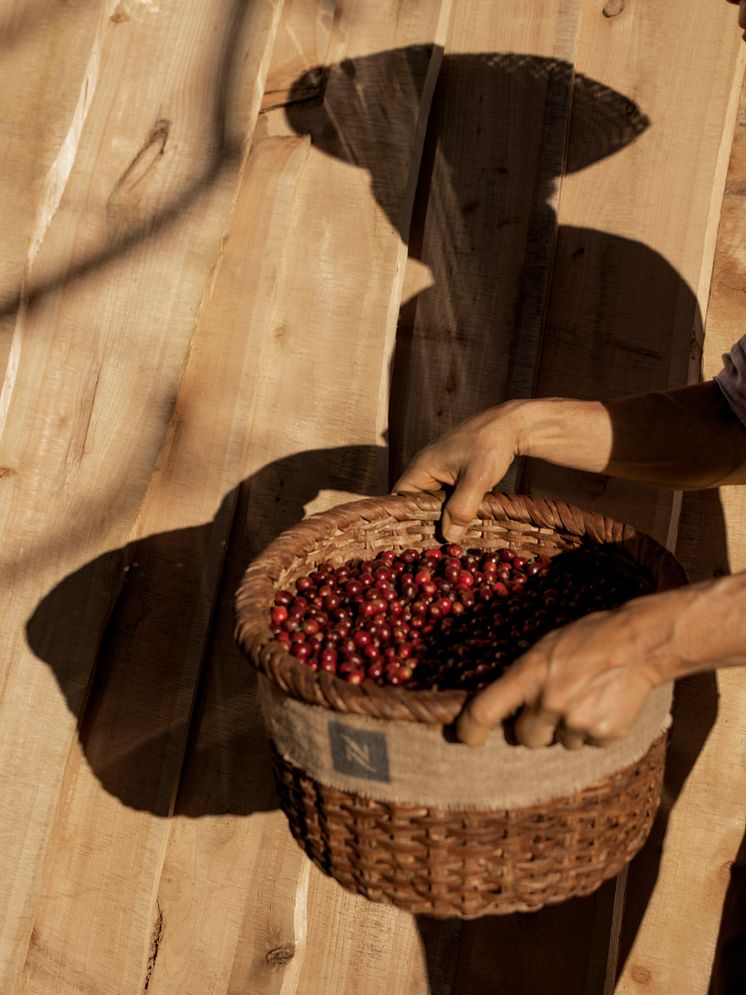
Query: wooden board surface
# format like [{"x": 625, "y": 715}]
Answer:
[
  {"x": 322, "y": 341},
  {"x": 483, "y": 223},
  {"x": 214, "y": 216},
  {"x": 101, "y": 337},
  {"x": 702, "y": 819},
  {"x": 632, "y": 266}
]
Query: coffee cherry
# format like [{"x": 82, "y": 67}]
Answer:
[{"x": 444, "y": 617}]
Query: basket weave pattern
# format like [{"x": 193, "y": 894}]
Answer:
[
  {"x": 447, "y": 863},
  {"x": 469, "y": 864}
]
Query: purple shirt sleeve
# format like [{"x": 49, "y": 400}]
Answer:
[{"x": 732, "y": 379}]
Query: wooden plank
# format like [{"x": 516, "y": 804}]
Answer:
[
  {"x": 484, "y": 221},
  {"x": 102, "y": 335},
  {"x": 191, "y": 950},
  {"x": 38, "y": 118},
  {"x": 703, "y": 812},
  {"x": 486, "y": 228},
  {"x": 243, "y": 909},
  {"x": 300, "y": 48},
  {"x": 556, "y": 950},
  {"x": 101, "y": 339},
  {"x": 632, "y": 270},
  {"x": 595, "y": 342},
  {"x": 632, "y": 264}
]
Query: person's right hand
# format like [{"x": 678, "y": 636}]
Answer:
[
  {"x": 585, "y": 682},
  {"x": 472, "y": 458}
]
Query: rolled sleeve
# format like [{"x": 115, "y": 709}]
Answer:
[{"x": 732, "y": 379}]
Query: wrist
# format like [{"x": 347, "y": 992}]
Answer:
[
  {"x": 562, "y": 430},
  {"x": 649, "y": 629},
  {"x": 689, "y": 630},
  {"x": 711, "y": 626},
  {"x": 517, "y": 417}
]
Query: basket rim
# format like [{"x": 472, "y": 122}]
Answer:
[{"x": 258, "y": 586}]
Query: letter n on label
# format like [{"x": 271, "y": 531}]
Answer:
[{"x": 359, "y": 752}]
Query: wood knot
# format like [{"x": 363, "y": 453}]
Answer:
[
  {"x": 641, "y": 975},
  {"x": 614, "y": 7},
  {"x": 281, "y": 955}
]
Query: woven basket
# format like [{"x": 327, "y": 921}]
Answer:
[{"x": 428, "y": 858}]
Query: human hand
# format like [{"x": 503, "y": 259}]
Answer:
[
  {"x": 584, "y": 682},
  {"x": 472, "y": 458}
]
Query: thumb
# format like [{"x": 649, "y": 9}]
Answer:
[
  {"x": 457, "y": 519},
  {"x": 472, "y": 484}
]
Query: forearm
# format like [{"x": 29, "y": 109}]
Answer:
[
  {"x": 694, "y": 628},
  {"x": 686, "y": 438}
]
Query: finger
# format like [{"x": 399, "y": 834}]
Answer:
[
  {"x": 461, "y": 508},
  {"x": 571, "y": 739},
  {"x": 417, "y": 478},
  {"x": 494, "y": 704},
  {"x": 535, "y": 727},
  {"x": 604, "y": 732},
  {"x": 455, "y": 523},
  {"x": 608, "y": 712}
]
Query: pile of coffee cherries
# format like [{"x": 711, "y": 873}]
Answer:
[{"x": 444, "y": 617}]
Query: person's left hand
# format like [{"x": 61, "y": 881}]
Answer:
[{"x": 583, "y": 683}]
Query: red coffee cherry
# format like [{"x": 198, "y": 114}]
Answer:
[{"x": 443, "y": 617}]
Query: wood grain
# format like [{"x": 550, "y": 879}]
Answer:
[
  {"x": 706, "y": 827},
  {"x": 318, "y": 337},
  {"x": 484, "y": 218},
  {"x": 199, "y": 340},
  {"x": 105, "y": 326},
  {"x": 631, "y": 270},
  {"x": 45, "y": 58}
]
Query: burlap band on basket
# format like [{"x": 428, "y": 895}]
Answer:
[{"x": 412, "y": 763}]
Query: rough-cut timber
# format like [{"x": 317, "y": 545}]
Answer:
[
  {"x": 316, "y": 339},
  {"x": 484, "y": 220},
  {"x": 101, "y": 335},
  {"x": 636, "y": 230},
  {"x": 702, "y": 829},
  {"x": 212, "y": 215}
]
